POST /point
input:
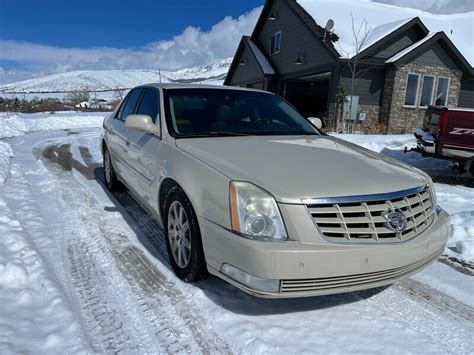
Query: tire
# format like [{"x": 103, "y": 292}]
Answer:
[
  {"x": 183, "y": 237},
  {"x": 110, "y": 176}
]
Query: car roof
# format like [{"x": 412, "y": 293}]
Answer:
[{"x": 198, "y": 86}]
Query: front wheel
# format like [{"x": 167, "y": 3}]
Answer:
[
  {"x": 183, "y": 238},
  {"x": 110, "y": 177}
]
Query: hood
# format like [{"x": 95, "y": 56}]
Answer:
[{"x": 297, "y": 167}]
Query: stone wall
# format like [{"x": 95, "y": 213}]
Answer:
[
  {"x": 372, "y": 113},
  {"x": 404, "y": 119}
]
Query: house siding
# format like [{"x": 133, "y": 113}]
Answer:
[
  {"x": 296, "y": 38},
  {"x": 398, "y": 44},
  {"x": 368, "y": 86},
  {"x": 435, "y": 57},
  {"x": 466, "y": 94},
  {"x": 381, "y": 87},
  {"x": 248, "y": 73}
]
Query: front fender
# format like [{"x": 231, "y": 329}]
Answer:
[{"x": 206, "y": 188}]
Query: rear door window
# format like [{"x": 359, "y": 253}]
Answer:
[
  {"x": 150, "y": 104},
  {"x": 130, "y": 104}
]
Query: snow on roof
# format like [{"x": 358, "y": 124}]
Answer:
[
  {"x": 410, "y": 48},
  {"x": 377, "y": 33},
  {"x": 261, "y": 59},
  {"x": 383, "y": 19}
]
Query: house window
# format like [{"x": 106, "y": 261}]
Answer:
[
  {"x": 275, "y": 43},
  {"x": 411, "y": 89},
  {"x": 442, "y": 92},
  {"x": 427, "y": 90}
]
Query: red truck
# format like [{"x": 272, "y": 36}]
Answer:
[{"x": 448, "y": 133}]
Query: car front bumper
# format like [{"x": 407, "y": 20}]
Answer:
[{"x": 309, "y": 268}]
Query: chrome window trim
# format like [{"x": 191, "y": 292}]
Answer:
[{"x": 364, "y": 198}]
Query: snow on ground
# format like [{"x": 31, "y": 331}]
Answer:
[
  {"x": 82, "y": 270},
  {"x": 5, "y": 155},
  {"x": 459, "y": 203},
  {"x": 377, "y": 143},
  {"x": 35, "y": 314},
  {"x": 16, "y": 124}
]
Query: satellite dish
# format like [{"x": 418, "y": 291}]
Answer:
[{"x": 329, "y": 25}]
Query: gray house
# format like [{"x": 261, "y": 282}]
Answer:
[{"x": 401, "y": 68}]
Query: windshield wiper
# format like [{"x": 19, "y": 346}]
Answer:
[
  {"x": 215, "y": 134},
  {"x": 225, "y": 133}
]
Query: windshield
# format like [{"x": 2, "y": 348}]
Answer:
[{"x": 217, "y": 112}]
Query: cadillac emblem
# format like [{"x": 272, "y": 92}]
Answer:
[{"x": 395, "y": 220}]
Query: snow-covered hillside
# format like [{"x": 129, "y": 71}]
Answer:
[{"x": 109, "y": 80}]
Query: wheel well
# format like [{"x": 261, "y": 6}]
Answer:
[{"x": 165, "y": 187}]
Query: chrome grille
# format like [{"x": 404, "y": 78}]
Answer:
[{"x": 361, "y": 219}]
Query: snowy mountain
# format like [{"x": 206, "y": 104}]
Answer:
[{"x": 109, "y": 80}]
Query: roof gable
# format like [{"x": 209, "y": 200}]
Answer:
[
  {"x": 301, "y": 13},
  {"x": 417, "y": 49},
  {"x": 256, "y": 56},
  {"x": 381, "y": 35},
  {"x": 458, "y": 27}
]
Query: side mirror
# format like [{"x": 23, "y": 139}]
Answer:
[
  {"x": 316, "y": 122},
  {"x": 139, "y": 123}
]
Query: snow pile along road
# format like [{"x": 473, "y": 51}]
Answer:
[
  {"x": 377, "y": 143},
  {"x": 459, "y": 203},
  {"x": 17, "y": 124},
  {"x": 46, "y": 321},
  {"x": 5, "y": 155}
]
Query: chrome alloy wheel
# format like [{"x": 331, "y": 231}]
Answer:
[{"x": 179, "y": 234}]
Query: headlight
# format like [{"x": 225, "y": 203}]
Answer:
[{"x": 254, "y": 212}]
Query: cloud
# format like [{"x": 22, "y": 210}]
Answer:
[
  {"x": 434, "y": 6},
  {"x": 190, "y": 48}
]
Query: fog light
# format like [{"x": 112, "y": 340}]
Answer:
[{"x": 254, "y": 282}]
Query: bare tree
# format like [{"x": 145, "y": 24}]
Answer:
[
  {"x": 77, "y": 96},
  {"x": 353, "y": 61},
  {"x": 118, "y": 95}
]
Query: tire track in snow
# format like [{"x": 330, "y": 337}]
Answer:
[
  {"x": 101, "y": 318},
  {"x": 158, "y": 299},
  {"x": 445, "y": 305}
]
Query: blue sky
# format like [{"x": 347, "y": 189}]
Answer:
[
  {"x": 110, "y": 23},
  {"x": 39, "y": 37},
  {"x": 51, "y": 36}
]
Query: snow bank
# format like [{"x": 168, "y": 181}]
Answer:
[
  {"x": 17, "y": 124},
  {"x": 458, "y": 201},
  {"x": 5, "y": 154},
  {"x": 35, "y": 315},
  {"x": 377, "y": 143}
]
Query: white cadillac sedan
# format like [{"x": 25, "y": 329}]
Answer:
[{"x": 250, "y": 191}]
